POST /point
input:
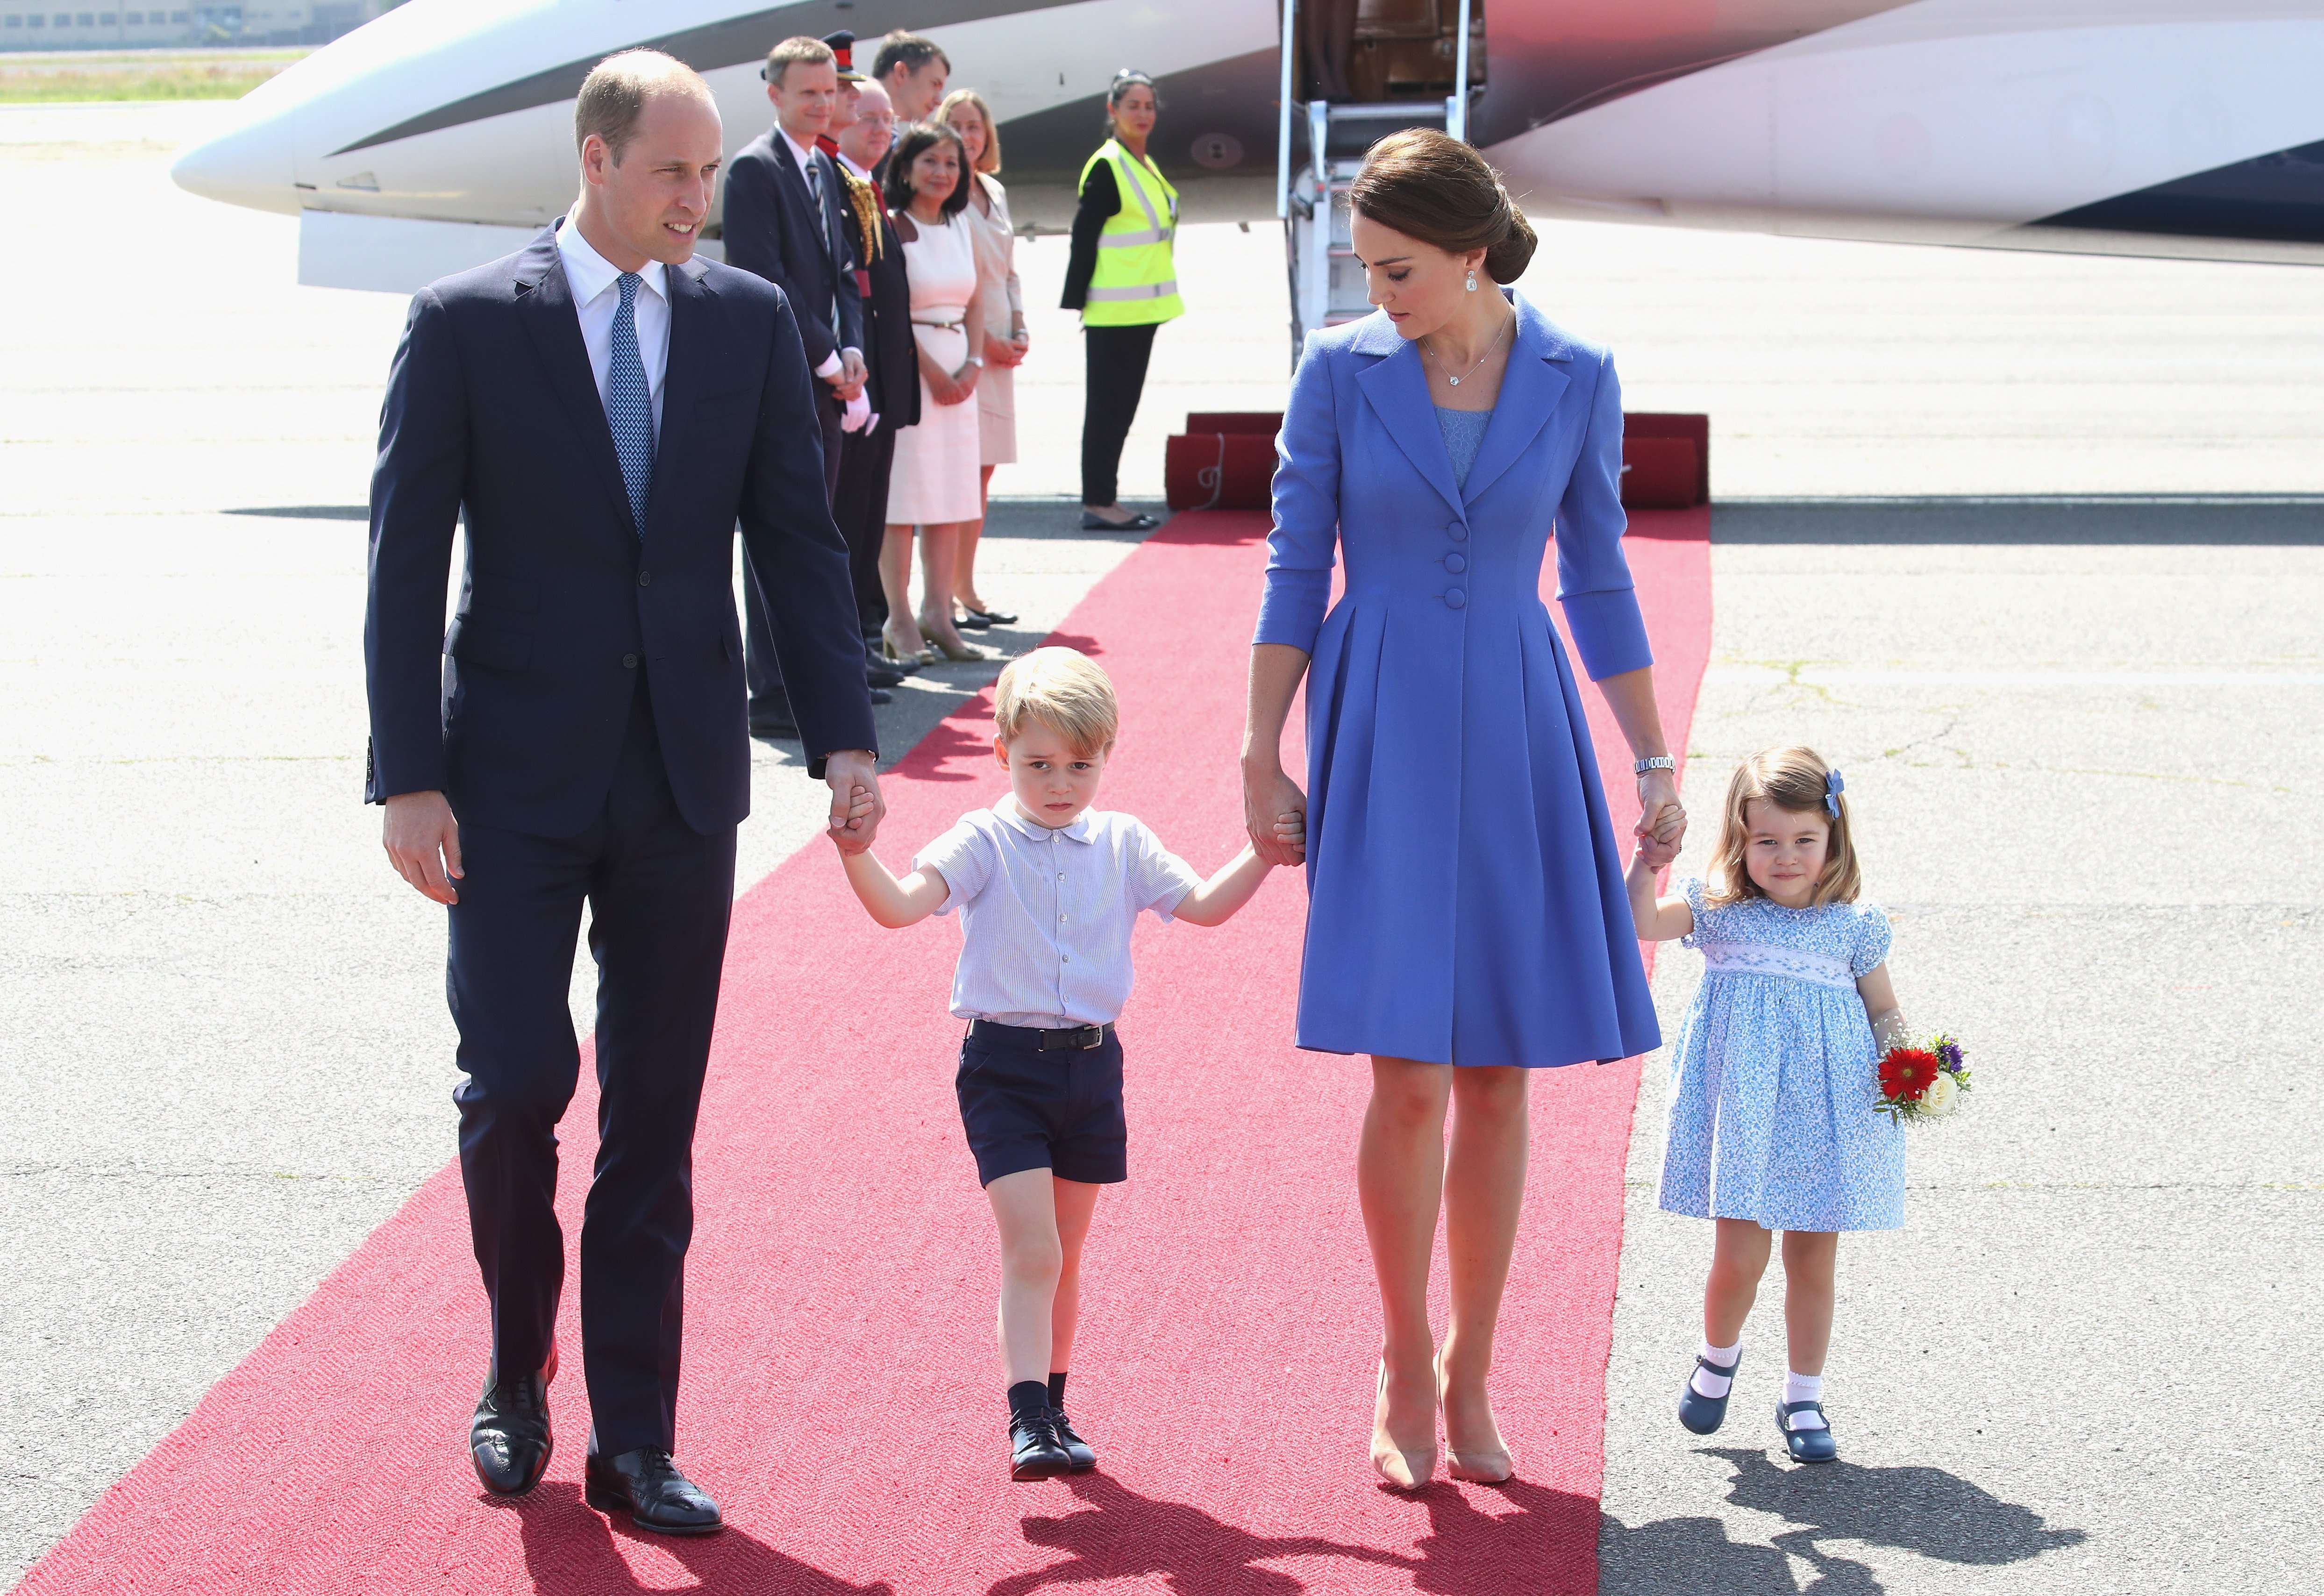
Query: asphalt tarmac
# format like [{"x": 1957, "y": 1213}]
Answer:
[{"x": 2077, "y": 716}]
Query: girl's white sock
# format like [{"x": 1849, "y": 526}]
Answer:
[
  {"x": 1803, "y": 1388},
  {"x": 1715, "y": 1386}
]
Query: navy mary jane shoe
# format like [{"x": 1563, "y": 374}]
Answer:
[
  {"x": 1703, "y": 1415},
  {"x": 1807, "y": 1446}
]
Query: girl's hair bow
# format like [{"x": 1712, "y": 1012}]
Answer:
[{"x": 1833, "y": 787}]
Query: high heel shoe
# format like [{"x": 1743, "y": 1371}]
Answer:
[
  {"x": 959, "y": 653},
  {"x": 1407, "y": 1470},
  {"x": 1479, "y": 1465},
  {"x": 923, "y": 655}
]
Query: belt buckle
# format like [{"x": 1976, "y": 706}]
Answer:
[{"x": 1096, "y": 1035}]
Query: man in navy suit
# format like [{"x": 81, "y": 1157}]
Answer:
[
  {"x": 785, "y": 219},
  {"x": 604, "y": 409}
]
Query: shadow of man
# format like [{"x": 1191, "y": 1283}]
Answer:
[
  {"x": 1540, "y": 1549},
  {"x": 1126, "y": 1535},
  {"x": 572, "y": 1550}
]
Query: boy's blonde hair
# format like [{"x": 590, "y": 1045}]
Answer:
[
  {"x": 1792, "y": 778},
  {"x": 1064, "y": 690}
]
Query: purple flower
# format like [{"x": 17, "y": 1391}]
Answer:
[{"x": 1949, "y": 1054}]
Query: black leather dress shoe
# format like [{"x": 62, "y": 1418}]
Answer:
[
  {"x": 767, "y": 723},
  {"x": 1083, "y": 1455},
  {"x": 882, "y": 675},
  {"x": 509, "y": 1438},
  {"x": 882, "y": 695},
  {"x": 645, "y": 1484},
  {"x": 1035, "y": 1452}
]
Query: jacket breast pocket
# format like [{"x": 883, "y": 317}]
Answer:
[{"x": 493, "y": 643}]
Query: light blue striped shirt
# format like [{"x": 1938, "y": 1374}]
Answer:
[{"x": 1045, "y": 915}]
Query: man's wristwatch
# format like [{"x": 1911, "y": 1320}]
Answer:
[{"x": 1661, "y": 762}]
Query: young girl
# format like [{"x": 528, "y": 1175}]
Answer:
[{"x": 1772, "y": 1123}]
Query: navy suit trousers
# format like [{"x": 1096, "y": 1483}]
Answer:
[
  {"x": 759, "y": 669},
  {"x": 659, "y": 894}
]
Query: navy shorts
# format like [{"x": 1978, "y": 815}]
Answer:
[{"x": 1026, "y": 1109}]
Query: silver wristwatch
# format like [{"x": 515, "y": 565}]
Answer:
[{"x": 1661, "y": 762}]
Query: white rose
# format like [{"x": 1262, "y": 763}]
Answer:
[{"x": 1943, "y": 1095}]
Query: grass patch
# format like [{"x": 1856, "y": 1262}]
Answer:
[{"x": 138, "y": 75}]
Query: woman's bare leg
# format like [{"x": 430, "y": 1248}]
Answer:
[
  {"x": 1076, "y": 1204},
  {"x": 964, "y": 577},
  {"x": 1738, "y": 1258},
  {"x": 1032, "y": 1261},
  {"x": 1484, "y": 1192},
  {"x": 895, "y": 583},
  {"x": 1400, "y": 1181},
  {"x": 939, "y": 551},
  {"x": 1811, "y": 1260}
]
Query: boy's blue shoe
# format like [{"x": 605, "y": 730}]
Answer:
[
  {"x": 1807, "y": 1446},
  {"x": 1701, "y": 1414}
]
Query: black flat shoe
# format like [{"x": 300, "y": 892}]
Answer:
[
  {"x": 1703, "y": 1415},
  {"x": 645, "y": 1484},
  {"x": 509, "y": 1438},
  {"x": 980, "y": 618},
  {"x": 880, "y": 675},
  {"x": 1035, "y": 1452},
  {"x": 1807, "y": 1446},
  {"x": 1136, "y": 523},
  {"x": 1083, "y": 1456},
  {"x": 974, "y": 620}
]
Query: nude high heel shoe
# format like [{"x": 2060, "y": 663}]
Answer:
[
  {"x": 1490, "y": 1464},
  {"x": 1407, "y": 1470}
]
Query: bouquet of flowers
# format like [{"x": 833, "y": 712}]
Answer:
[{"x": 1922, "y": 1083}]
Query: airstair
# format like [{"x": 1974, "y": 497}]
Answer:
[{"x": 1329, "y": 139}]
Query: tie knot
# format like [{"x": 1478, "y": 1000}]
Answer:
[{"x": 629, "y": 281}]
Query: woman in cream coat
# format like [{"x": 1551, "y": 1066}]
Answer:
[{"x": 967, "y": 114}]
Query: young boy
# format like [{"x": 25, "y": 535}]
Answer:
[{"x": 1049, "y": 889}]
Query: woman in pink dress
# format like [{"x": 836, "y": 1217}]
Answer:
[{"x": 935, "y": 482}]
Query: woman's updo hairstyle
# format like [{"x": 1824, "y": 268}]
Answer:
[
  {"x": 1127, "y": 78},
  {"x": 1430, "y": 186}
]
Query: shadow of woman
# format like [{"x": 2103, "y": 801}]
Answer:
[
  {"x": 1915, "y": 1508},
  {"x": 1540, "y": 1549},
  {"x": 1125, "y": 1536},
  {"x": 571, "y": 1550}
]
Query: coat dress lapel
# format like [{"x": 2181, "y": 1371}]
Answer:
[
  {"x": 1531, "y": 386},
  {"x": 546, "y": 302},
  {"x": 1397, "y": 389}
]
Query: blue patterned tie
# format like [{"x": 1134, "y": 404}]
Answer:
[{"x": 629, "y": 408}]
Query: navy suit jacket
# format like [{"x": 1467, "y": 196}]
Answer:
[
  {"x": 493, "y": 413},
  {"x": 770, "y": 229},
  {"x": 891, "y": 354}
]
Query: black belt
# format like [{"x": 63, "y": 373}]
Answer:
[{"x": 1081, "y": 1037}]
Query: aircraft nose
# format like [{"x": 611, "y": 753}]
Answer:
[{"x": 251, "y": 164}]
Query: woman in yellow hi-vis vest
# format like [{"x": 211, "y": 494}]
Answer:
[{"x": 1121, "y": 280}]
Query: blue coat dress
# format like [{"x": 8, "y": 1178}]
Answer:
[{"x": 1466, "y": 888}]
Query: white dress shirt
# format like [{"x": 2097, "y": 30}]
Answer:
[
  {"x": 597, "y": 295},
  {"x": 1045, "y": 915},
  {"x": 805, "y": 155}
]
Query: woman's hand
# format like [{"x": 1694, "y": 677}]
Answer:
[
  {"x": 964, "y": 383},
  {"x": 1275, "y": 813},
  {"x": 999, "y": 351},
  {"x": 1661, "y": 816},
  {"x": 942, "y": 387}
]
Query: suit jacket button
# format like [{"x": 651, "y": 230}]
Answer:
[
  {"x": 1455, "y": 597},
  {"x": 645, "y": 578},
  {"x": 628, "y": 662}
]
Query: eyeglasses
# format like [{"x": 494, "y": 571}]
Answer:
[{"x": 878, "y": 119}]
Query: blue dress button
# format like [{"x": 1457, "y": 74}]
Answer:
[
  {"x": 1456, "y": 532},
  {"x": 1455, "y": 597},
  {"x": 1455, "y": 564}
]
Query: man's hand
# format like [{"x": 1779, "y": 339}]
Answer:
[
  {"x": 852, "y": 371},
  {"x": 856, "y": 806},
  {"x": 423, "y": 843}
]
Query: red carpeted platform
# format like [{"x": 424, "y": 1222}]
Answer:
[{"x": 843, "y": 1396}]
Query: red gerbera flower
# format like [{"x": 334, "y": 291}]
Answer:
[{"x": 1906, "y": 1073}]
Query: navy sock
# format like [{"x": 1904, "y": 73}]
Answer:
[
  {"x": 1057, "y": 1388},
  {"x": 1028, "y": 1396}
]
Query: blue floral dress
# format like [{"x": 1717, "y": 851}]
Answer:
[{"x": 1774, "y": 1081}]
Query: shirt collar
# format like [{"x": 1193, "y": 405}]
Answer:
[
  {"x": 591, "y": 274},
  {"x": 1007, "y": 811},
  {"x": 861, "y": 171},
  {"x": 803, "y": 153}
]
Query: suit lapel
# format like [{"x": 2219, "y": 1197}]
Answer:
[
  {"x": 1397, "y": 391},
  {"x": 804, "y": 192},
  {"x": 545, "y": 302},
  {"x": 1531, "y": 387},
  {"x": 692, "y": 338}
]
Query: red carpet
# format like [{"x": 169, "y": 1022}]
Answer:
[{"x": 843, "y": 1394}]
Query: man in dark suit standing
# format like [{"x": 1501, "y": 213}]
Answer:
[
  {"x": 604, "y": 409},
  {"x": 785, "y": 220},
  {"x": 891, "y": 354}
]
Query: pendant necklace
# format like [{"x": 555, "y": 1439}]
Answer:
[{"x": 1488, "y": 355}]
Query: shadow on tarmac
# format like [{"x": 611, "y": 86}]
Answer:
[{"x": 1913, "y": 1509}]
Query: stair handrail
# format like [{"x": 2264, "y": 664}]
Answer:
[
  {"x": 1456, "y": 108},
  {"x": 1282, "y": 99}
]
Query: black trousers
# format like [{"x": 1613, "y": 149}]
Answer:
[
  {"x": 759, "y": 669},
  {"x": 1115, "y": 361},
  {"x": 861, "y": 508},
  {"x": 658, "y": 894}
]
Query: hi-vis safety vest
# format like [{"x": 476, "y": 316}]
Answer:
[{"x": 1134, "y": 281}]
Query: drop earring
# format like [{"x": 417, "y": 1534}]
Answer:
[{"x": 1472, "y": 280}]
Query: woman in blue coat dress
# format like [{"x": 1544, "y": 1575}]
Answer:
[{"x": 1467, "y": 919}]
